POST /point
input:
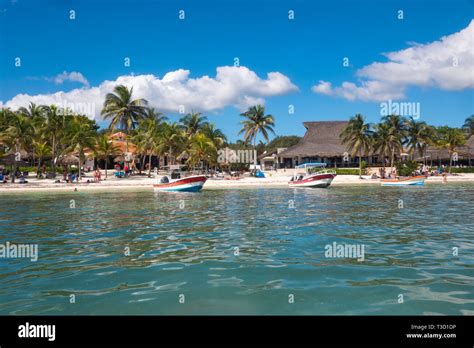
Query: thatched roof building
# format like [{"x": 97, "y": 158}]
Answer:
[
  {"x": 465, "y": 152},
  {"x": 321, "y": 142}
]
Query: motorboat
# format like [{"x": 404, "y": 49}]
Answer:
[
  {"x": 175, "y": 182},
  {"x": 407, "y": 181},
  {"x": 312, "y": 175}
]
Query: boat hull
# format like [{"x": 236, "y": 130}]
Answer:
[
  {"x": 322, "y": 180},
  {"x": 189, "y": 184},
  {"x": 414, "y": 181}
]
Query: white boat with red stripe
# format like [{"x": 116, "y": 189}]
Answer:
[
  {"x": 312, "y": 176},
  {"x": 193, "y": 183}
]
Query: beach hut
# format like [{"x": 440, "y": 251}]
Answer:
[
  {"x": 321, "y": 143},
  {"x": 435, "y": 156}
]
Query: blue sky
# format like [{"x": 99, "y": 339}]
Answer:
[{"x": 303, "y": 51}]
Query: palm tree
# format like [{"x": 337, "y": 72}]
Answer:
[
  {"x": 451, "y": 139},
  {"x": 5, "y": 121},
  {"x": 200, "y": 148},
  {"x": 357, "y": 136},
  {"x": 152, "y": 114},
  {"x": 83, "y": 135},
  {"x": 149, "y": 133},
  {"x": 54, "y": 126},
  {"x": 172, "y": 140},
  {"x": 419, "y": 136},
  {"x": 32, "y": 111},
  {"x": 18, "y": 136},
  {"x": 106, "y": 148},
  {"x": 256, "y": 122},
  {"x": 217, "y": 137},
  {"x": 5, "y": 117},
  {"x": 381, "y": 144},
  {"x": 193, "y": 123},
  {"x": 397, "y": 135},
  {"x": 123, "y": 110},
  {"x": 469, "y": 125},
  {"x": 41, "y": 149}
]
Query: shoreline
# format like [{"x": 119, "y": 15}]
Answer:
[{"x": 145, "y": 184}]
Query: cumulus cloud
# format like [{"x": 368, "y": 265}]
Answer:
[
  {"x": 73, "y": 76},
  {"x": 232, "y": 86},
  {"x": 446, "y": 64}
]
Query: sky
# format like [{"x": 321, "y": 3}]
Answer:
[{"x": 303, "y": 60}]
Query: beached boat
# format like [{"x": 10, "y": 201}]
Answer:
[
  {"x": 409, "y": 181},
  {"x": 312, "y": 176},
  {"x": 192, "y": 183}
]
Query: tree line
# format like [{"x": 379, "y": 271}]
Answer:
[
  {"x": 388, "y": 138},
  {"x": 50, "y": 133}
]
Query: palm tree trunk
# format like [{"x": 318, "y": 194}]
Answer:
[
  {"x": 13, "y": 172},
  {"x": 53, "y": 164},
  {"x": 392, "y": 153},
  {"x": 360, "y": 165},
  {"x": 79, "y": 173},
  {"x": 14, "y": 164},
  {"x": 106, "y": 164},
  {"x": 255, "y": 157},
  {"x": 149, "y": 164},
  {"x": 39, "y": 166},
  {"x": 126, "y": 152},
  {"x": 450, "y": 161}
]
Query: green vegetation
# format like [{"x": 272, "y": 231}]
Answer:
[
  {"x": 282, "y": 141},
  {"x": 358, "y": 138},
  {"x": 388, "y": 138},
  {"x": 451, "y": 139},
  {"x": 468, "y": 125},
  {"x": 48, "y": 134},
  {"x": 349, "y": 171},
  {"x": 256, "y": 122},
  {"x": 462, "y": 170},
  {"x": 406, "y": 168}
]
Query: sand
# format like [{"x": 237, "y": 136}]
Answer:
[{"x": 273, "y": 179}]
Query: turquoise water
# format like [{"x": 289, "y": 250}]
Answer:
[{"x": 184, "y": 244}]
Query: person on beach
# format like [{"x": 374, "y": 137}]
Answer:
[
  {"x": 97, "y": 176},
  {"x": 23, "y": 180},
  {"x": 3, "y": 178},
  {"x": 65, "y": 170}
]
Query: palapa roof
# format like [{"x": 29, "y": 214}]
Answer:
[
  {"x": 321, "y": 140},
  {"x": 465, "y": 151}
]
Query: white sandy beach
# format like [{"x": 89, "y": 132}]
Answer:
[{"x": 273, "y": 179}]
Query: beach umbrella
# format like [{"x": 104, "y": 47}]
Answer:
[
  {"x": 11, "y": 159},
  {"x": 68, "y": 159}
]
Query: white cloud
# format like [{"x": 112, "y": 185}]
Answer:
[
  {"x": 73, "y": 76},
  {"x": 447, "y": 64},
  {"x": 323, "y": 87},
  {"x": 232, "y": 86}
]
